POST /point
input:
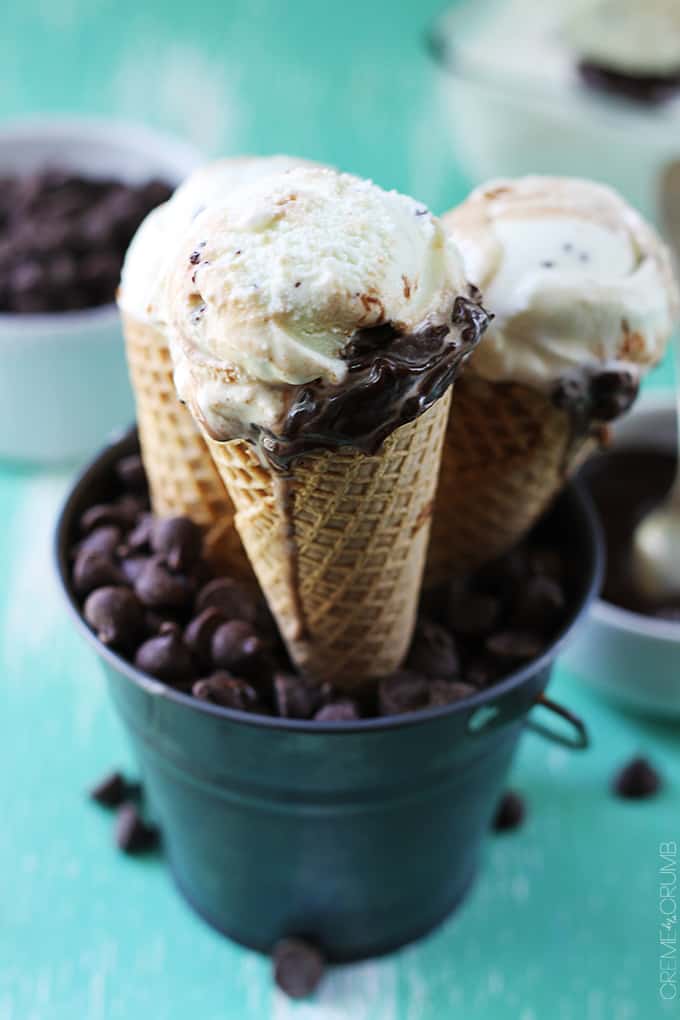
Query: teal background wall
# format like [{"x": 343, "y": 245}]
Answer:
[
  {"x": 564, "y": 922},
  {"x": 346, "y": 83}
]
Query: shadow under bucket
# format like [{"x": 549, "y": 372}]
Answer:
[{"x": 360, "y": 836}]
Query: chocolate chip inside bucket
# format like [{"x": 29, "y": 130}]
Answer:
[{"x": 147, "y": 592}]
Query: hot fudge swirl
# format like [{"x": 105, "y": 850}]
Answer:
[{"x": 581, "y": 287}]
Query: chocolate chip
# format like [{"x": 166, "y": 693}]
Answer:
[
  {"x": 166, "y": 657},
  {"x": 514, "y": 645},
  {"x": 403, "y": 691},
  {"x": 133, "y": 834},
  {"x": 221, "y": 688},
  {"x": 139, "y": 539},
  {"x": 121, "y": 513},
  {"x": 199, "y": 634},
  {"x": 637, "y": 780},
  {"x": 236, "y": 646},
  {"x": 95, "y": 570},
  {"x": 510, "y": 812},
  {"x": 132, "y": 566},
  {"x": 110, "y": 791},
  {"x": 157, "y": 587},
  {"x": 131, "y": 473},
  {"x": 62, "y": 271},
  {"x": 152, "y": 193},
  {"x": 98, "y": 515},
  {"x": 540, "y": 605},
  {"x": 26, "y": 277},
  {"x": 230, "y": 597},
  {"x": 103, "y": 540},
  {"x": 116, "y": 615},
  {"x": 433, "y": 651},
  {"x": 342, "y": 710},
  {"x": 612, "y": 392},
  {"x": 298, "y": 967},
  {"x": 294, "y": 697},
  {"x": 473, "y": 615},
  {"x": 571, "y": 393},
  {"x": 130, "y": 508},
  {"x": 178, "y": 540},
  {"x": 441, "y": 692},
  {"x": 482, "y": 671}
]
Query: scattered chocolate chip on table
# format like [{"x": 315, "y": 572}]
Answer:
[{"x": 637, "y": 780}]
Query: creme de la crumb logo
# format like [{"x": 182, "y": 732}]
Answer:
[{"x": 668, "y": 929}]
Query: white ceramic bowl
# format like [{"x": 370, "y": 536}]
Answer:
[
  {"x": 631, "y": 658},
  {"x": 541, "y": 118},
  {"x": 63, "y": 379}
]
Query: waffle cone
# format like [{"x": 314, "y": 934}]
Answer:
[
  {"x": 339, "y": 545},
  {"x": 508, "y": 451},
  {"x": 182, "y": 477}
]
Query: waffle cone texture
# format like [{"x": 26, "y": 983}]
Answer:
[
  {"x": 183, "y": 480},
  {"x": 339, "y": 545},
  {"x": 508, "y": 451}
]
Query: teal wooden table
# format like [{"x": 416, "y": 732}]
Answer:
[{"x": 564, "y": 921}]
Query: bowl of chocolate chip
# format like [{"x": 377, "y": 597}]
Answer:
[
  {"x": 562, "y": 88},
  {"x": 73, "y": 193},
  {"x": 629, "y": 648}
]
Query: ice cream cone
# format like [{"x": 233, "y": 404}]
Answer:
[
  {"x": 508, "y": 450},
  {"x": 584, "y": 301},
  {"x": 339, "y": 545},
  {"x": 182, "y": 477}
]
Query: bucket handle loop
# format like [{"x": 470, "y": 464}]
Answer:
[{"x": 579, "y": 740}]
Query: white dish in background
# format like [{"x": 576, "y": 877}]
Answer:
[
  {"x": 63, "y": 378},
  {"x": 515, "y": 104},
  {"x": 630, "y": 658}
]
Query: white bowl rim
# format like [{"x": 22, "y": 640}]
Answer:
[
  {"x": 610, "y": 615},
  {"x": 128, "y": 133},
  {"x": 635, "y": 623},
  {"x": 611, "y": 113},
  {"x": 41, "y": 325},
  {"x": 119, "y": 131}
]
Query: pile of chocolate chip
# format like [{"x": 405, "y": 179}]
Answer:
[
  {"x": 63, "y": 238},
  {"x": 148, "y": 593}
]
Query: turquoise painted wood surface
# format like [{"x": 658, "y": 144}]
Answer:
[{"x": 564, "y": 922}]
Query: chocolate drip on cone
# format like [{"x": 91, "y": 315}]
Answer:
[{"x": 393, "y": 377}]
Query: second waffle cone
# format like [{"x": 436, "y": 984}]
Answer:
[
  {"x": 339, "y": 546},
  {"x": 183, "y": 480},
  {"x": 507, "y": 452}
]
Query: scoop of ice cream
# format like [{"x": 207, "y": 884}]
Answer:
[
  {"x": 629, "y": 36},
  {"x": 573, "y": 275},
  {"x": 269, "y": 291},
  {"x": 151, "y": 252}
]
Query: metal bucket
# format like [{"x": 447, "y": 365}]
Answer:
[{"x": 360, "y": 836}]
